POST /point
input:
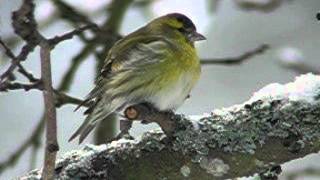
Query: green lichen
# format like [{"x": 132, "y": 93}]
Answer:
[
  {"x": 185, "y": 170},
  {"x": 215, "y": 166},
  {"x": 243, "y": 129}
]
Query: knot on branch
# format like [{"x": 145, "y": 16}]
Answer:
[
  {"x": 24, "y": 23},
  {"x": 168, "y": 121},
  {"x": 53, "y": 147}
]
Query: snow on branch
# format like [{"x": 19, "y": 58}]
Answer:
[{"x": 278, "y": 124}]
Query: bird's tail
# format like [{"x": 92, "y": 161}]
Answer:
[
  {"x": 100, "y": 112},
  {"x": 83, "y": 131}
]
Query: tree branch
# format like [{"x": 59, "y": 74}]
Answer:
[
  {"x": 50, "y": 113},
  {"x": 262, "y": 6},
  {"x": 25, "y": 26},
  {"x": 236, "y": 60},
  {"x": 16, "y": 85},
  {"x": 26, "y": 49},
  {"x": 70, "y": 14},
  {"x": 278, "y": 124},
  {"x": 54, "y": 41}
]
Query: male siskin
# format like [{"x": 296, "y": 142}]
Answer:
[{"x": 156, "y": 64}]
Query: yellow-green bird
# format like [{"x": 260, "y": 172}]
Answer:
[{"x": 156, "y": 64}]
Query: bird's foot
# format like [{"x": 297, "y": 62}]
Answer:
[{"x": 125, "y": 126}]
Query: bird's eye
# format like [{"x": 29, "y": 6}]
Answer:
[{"x": 182, "y": 30}]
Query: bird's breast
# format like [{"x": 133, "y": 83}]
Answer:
[{"x": 176, "y": 82}]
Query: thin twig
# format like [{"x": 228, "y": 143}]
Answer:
[
  {"x": 57, "y": 39},
  {"x": 26, "y": 49},
  {"x": 236, "y": 60},
  {"x": 26, "y": 74},
  {"x": 5, "y": 86},
  {"x": 50, "y": 113},
  {"x": 7, "y": 50},
  {"x": 63, "y": 98},
  {"x": 70, "y": 14},
  {"x": 261, "y": 6},
  {"x": 14, "y": 63}
]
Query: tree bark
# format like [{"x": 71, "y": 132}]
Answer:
[{"x": 278, "y": 124}]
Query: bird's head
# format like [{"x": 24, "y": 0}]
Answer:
[{"x": 178, "y": 26}]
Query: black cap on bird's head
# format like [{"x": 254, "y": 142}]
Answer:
[
  {"x": 186, "y": 22},
  {"x": 187, "y": 27},
  {"x": 184, "y": 25}
]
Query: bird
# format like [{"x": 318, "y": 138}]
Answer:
[{"x": 156, "y": 64}]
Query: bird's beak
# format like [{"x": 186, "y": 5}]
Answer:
[{"x": 195, "y": 36}]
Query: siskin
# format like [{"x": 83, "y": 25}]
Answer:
[{"x": 156, "y": 64}]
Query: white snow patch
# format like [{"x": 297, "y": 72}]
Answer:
[
  {"x": 304, "y": 88},
  {"x": 121, "y": 142},
  {"x": 195, "y": 120}
]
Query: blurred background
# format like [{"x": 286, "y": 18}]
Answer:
[{"x": 232, "y": 27}]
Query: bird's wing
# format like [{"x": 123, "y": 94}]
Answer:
[
  {"x": 125, "y": 56},
  {"x": 128, "y": 54}
]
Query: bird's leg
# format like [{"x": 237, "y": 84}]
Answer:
[
  {"x": 151, "y": 109},
  {"x": 125, "y": 126}
]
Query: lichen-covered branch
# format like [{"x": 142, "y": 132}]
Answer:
[{"x": 278, "y": 124}]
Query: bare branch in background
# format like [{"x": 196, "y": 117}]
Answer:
[
  {"x": 50, "y": 112},
  {"x": 258, "y": 5},
  {"x": 26, "y": 74},
  {"x": 236, "y": 60},
  {"x": 15, "y": 61},
  {"x": 54, "y": 41},
  {"x": 6, "y": 86},
  {"x": 25, "y": 26},
  {"x": 7, "y": 50},
  {"x": 70, "y": 14}
]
